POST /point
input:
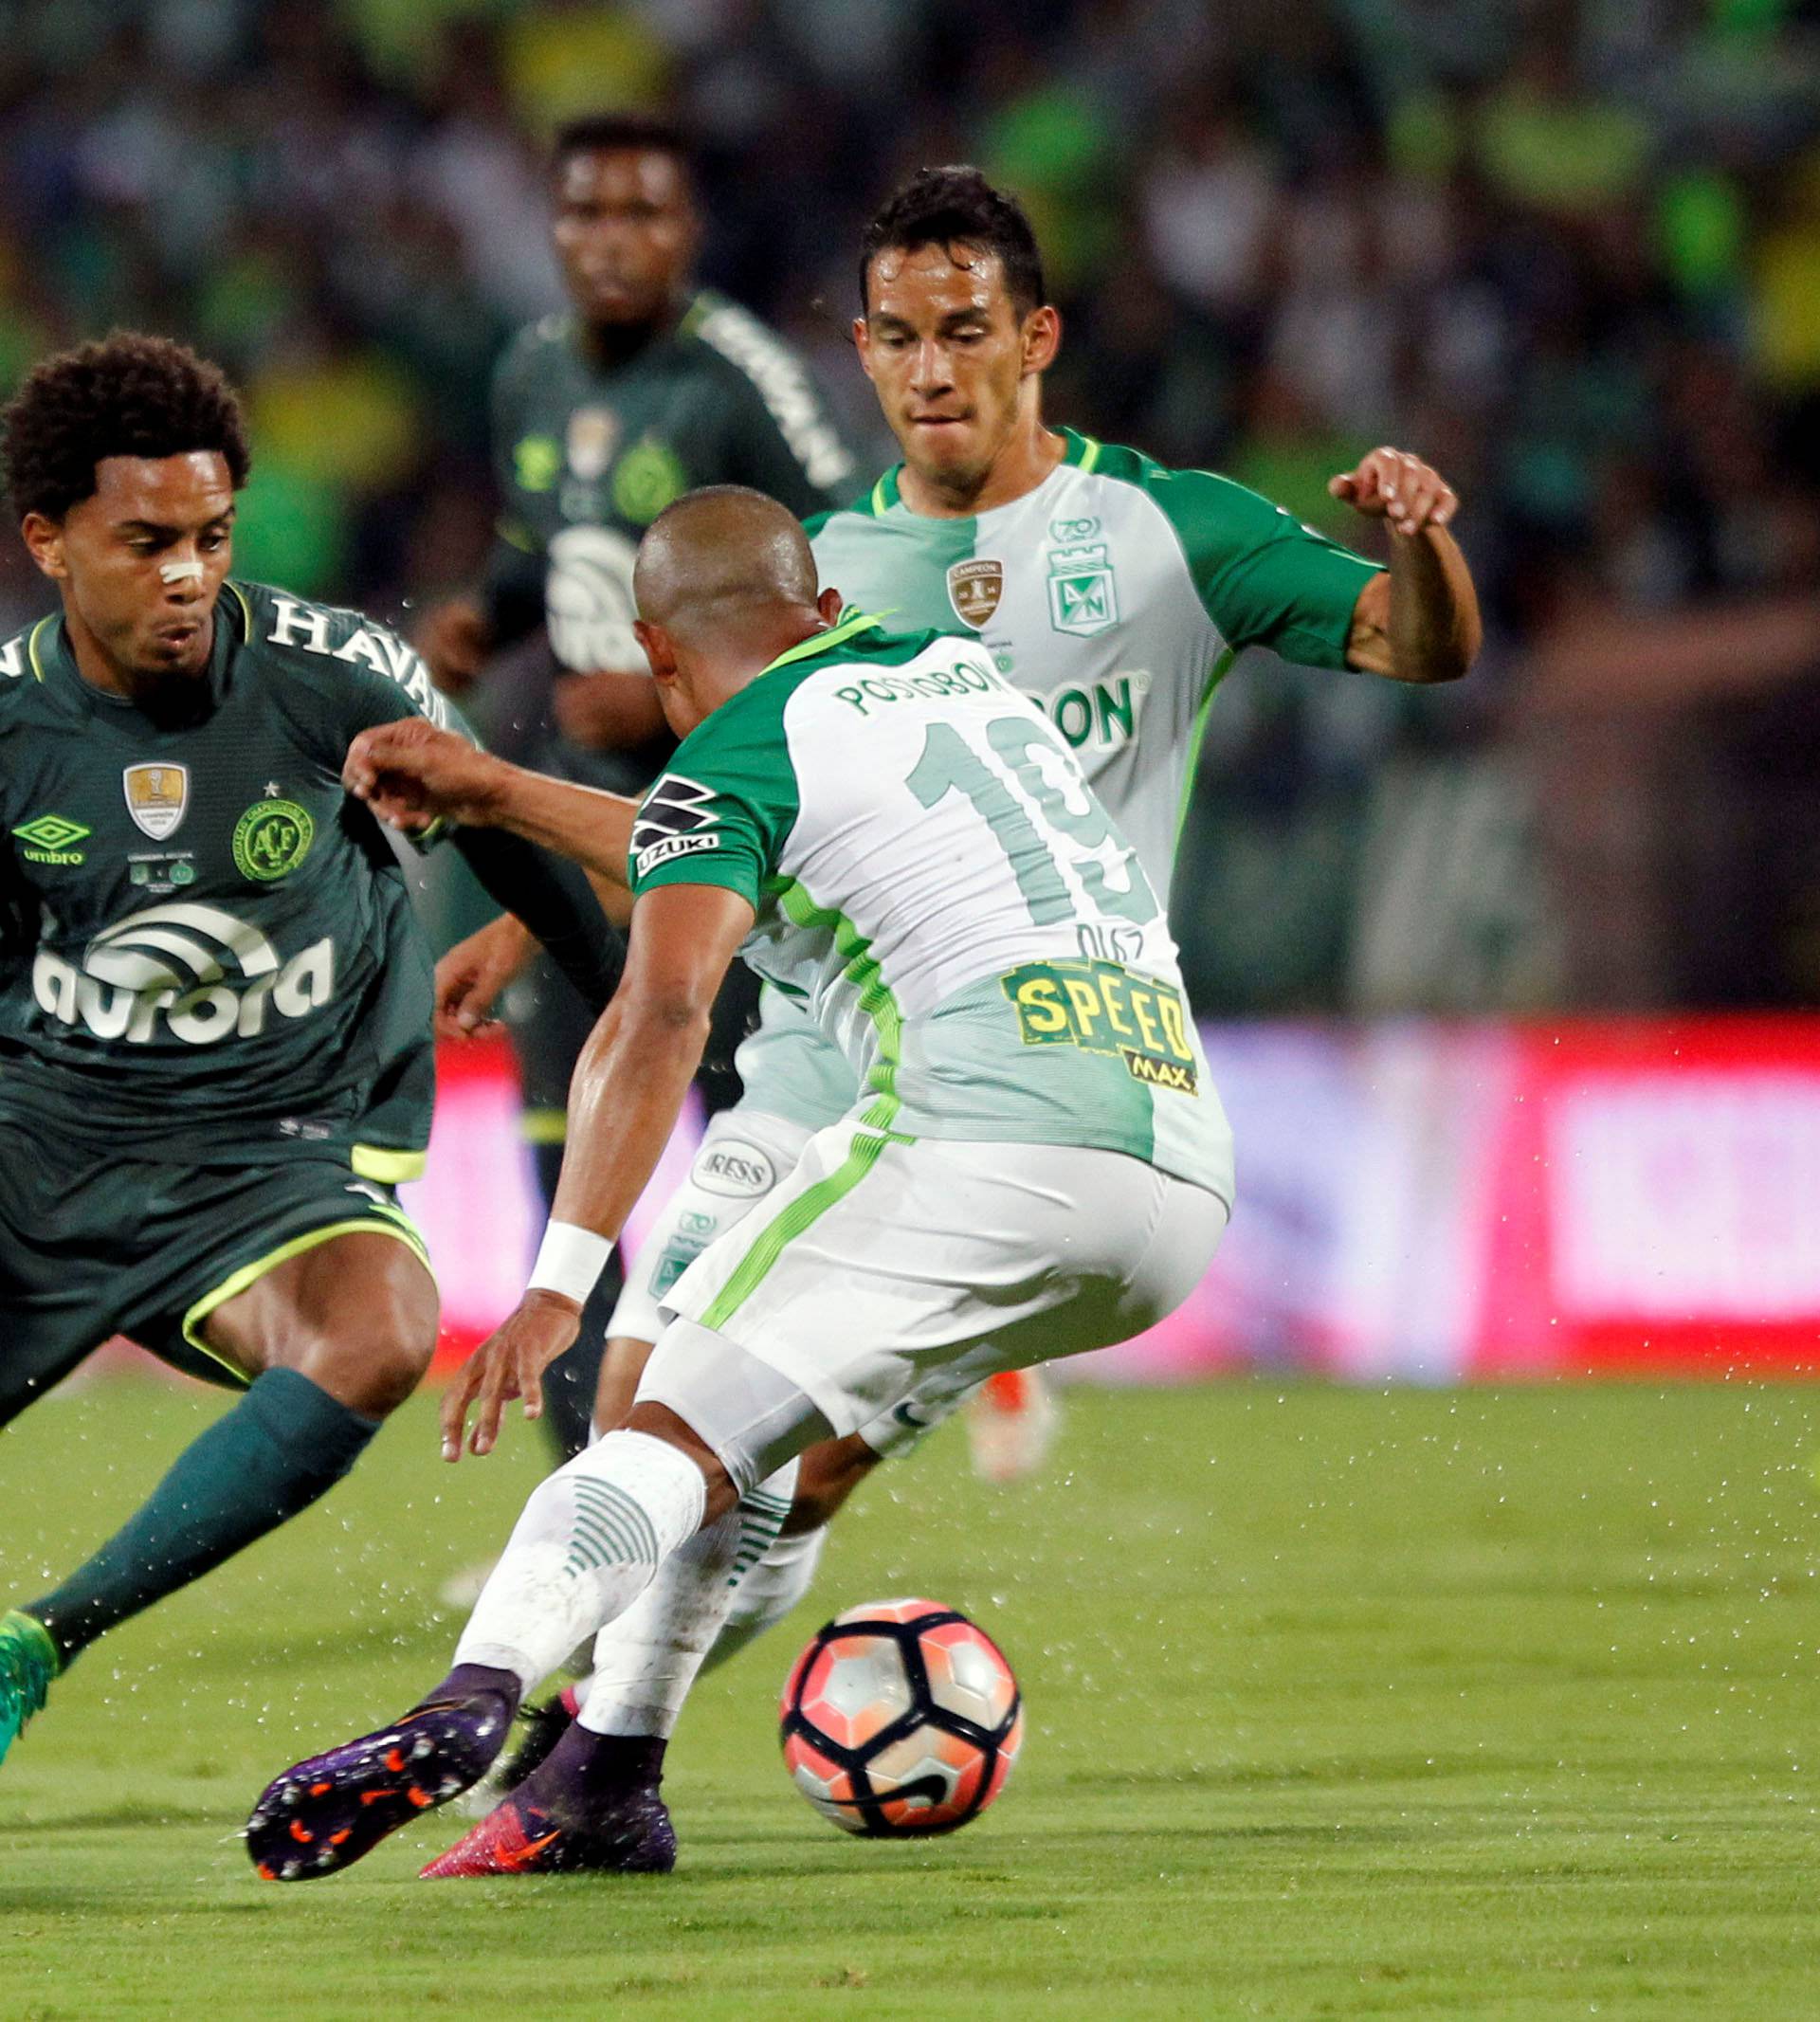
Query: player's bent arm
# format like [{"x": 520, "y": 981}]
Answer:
[
  {"x": 627, "y": 1090},
  {"x": 556, "y": 901},
  {"x": 1419, "y": 622},
  {"x": 633, "y": 1073},
  {"x": 410, "y": 771},
  {"x": 1419, "y": 619},
  {"x": 609, "y": 709}
]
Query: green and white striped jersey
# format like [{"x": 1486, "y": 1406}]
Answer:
[
  {"x": 939, "y": 891},
  {"x": 1115, "y": 594}
]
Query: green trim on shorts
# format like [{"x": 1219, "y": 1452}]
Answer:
[
  {"x": 389, "y": 1168},
  {"x": 806, "y": 1209},
  {"x": 881, "y": 1006},
  {"x": 237, "y": 1281}
]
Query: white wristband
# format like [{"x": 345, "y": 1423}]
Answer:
[{"x": 570, "y": 1260}]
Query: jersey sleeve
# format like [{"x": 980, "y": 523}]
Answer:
[
  {"x": 781, "y": 438},
  {"x": 770, "y": 464},
  {"x": 1263, "y": 579},
  {"x": 721, "y": 811}
]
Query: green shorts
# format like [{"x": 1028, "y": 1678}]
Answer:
[{"x": 95, "y": 1247}]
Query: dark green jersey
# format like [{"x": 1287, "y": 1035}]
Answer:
[
  {"x": 205, "y": 945},
  {"x": 586, "y": 457}
]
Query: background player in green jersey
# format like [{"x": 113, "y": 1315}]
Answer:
[
  {"x": 600, "y": 418},
  {"x": 216, "y": 1056},
  {"x": 1111, "y": 590}
]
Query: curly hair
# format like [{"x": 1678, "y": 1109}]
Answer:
[
  {"x": 127, "y": 395},
  {"x": 939, "y": 207}
]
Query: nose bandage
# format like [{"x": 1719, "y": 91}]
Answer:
[{"x": 180, "y": 571}]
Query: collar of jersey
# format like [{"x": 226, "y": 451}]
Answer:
[
  {"x": 49, "y": 651},
  {"x": 850, "y": 625},
  {"x": 1081, "y": 450}
]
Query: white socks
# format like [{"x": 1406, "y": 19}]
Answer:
[
  {"x": 589, "y": 1542},
  {"x": 646, "y": 1660},
  {"x": 768, "y": 1592}
]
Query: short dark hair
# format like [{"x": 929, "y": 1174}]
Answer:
[
  {"x": 939, "y": 207},
  {"x": 127, "y": 395},
  {"x": 606, "y": 132}
]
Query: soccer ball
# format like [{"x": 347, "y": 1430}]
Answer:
[{"x": 901, "y": 1718}]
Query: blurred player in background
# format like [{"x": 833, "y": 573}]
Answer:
[
  {"x": 600, "y": 419},
  {"x": 1114, "y": 592},
  {"x": 215, "y": 1054}
]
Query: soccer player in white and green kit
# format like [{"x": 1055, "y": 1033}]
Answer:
[
  {"x": 1113, "y": 592},
  {"x": 1035, "y": 1163}
]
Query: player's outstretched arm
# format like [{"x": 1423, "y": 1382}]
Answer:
[
  {"x": 410, "y": 773},
  {"x": 628, "y": 1087},
  {"x": 1420, "y": 621}
]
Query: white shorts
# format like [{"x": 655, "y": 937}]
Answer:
[
  {"x": 744, "y": 1154},
  {"x": 884, "y": 1271}
]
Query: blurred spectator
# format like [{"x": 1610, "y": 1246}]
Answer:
[{"x": 1569, "y": 252}]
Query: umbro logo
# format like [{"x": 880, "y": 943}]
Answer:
[{"x": 51, "y": 838}]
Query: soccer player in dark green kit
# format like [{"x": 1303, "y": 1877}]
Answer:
[
  {"x": 601, "y": 418},
  {"x": 216, "y": 1055}
]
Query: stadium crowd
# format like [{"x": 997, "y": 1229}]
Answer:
[{"x": 1570, "y": 254}]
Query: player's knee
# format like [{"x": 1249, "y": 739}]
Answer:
[
  {"x": 373, "y": 1363},
  {"x": 829, "y": 1473},
  {"x": 392, "y": 1369}
]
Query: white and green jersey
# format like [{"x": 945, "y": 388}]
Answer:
[
  {"x": 939, "y": 891},
  {"x": 1115, "y": 595}
]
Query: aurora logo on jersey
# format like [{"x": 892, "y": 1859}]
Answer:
[
  {"x": 588, "y": 597},
  {"x": 205, "y": 974},
  {"x": 1105, "y": 1008},
  {"x": 676, "y": 820},
  {"x": 157, "y": 797},
  {"x": 1084, "y": 598}
]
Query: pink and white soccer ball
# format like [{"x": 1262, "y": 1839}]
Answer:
[{"x": 901, "y": 1718}]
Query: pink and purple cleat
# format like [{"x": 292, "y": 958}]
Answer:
[{"x": 329, "y": 1811}]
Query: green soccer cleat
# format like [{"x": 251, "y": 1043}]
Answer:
[{"x": 28, "y": 1662}]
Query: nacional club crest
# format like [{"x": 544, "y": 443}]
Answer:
[
  {"x": 1084, "y": 598},
  {"x": 157, "y": 797},
  {"x": 975, "y": 589},
  {"x": 593, "y": 435}
]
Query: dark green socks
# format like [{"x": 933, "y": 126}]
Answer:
[{"x": 281, "y": 1446}]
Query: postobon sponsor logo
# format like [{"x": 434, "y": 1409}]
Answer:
[{"x": 204, "y": 974}]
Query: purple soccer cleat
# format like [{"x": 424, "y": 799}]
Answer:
[
  {"x": 327, "y": 1813},
  {"x": 592, "y": 1807}
]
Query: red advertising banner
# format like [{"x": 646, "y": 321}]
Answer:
[{"x": 1418, "y": 1201}]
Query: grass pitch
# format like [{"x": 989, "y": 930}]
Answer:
[{"x": 1447, "y": 1704}]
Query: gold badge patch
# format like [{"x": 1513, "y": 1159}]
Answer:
[
  {"x": 157, "y": 797},
  {"x": 593, "y": 435},
  {"x": 975, "y": 589}
]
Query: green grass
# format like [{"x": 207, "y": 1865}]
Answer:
[{"x": 1428, "y": 1703}]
